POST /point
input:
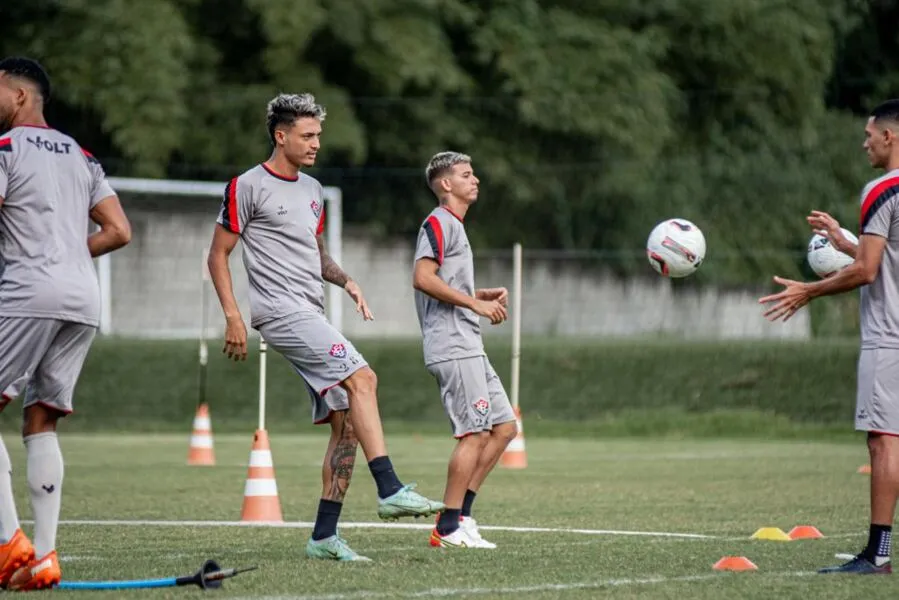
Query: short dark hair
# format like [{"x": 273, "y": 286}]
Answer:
[
  {"x": 30, "y": 69},
  {"x": 888, "y": 110}
]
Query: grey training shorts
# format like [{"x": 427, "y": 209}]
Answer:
[
  {"x": 473, "y": 395},
  {"x": 877, "y": 400},
  {"x": 320, "y": 354},
  {"x": 43, "y": 358}
]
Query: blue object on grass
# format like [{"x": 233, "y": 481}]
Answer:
[
  {"x": 118, "y": 585},
  {"x": 209, "y": 576}
]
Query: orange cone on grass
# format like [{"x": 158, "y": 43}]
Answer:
[
  {"x": 201, "y": 450},
  {"x": 734, "y": 563},
  {"x": 805, "y": 532},
  {"x": 515, "y": 456},
  {"x": 260, "y": 496}
]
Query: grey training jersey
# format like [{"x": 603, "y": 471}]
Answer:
[
  {"x": 449, "y": 331},
  {"x": 278, "y": 218},
  {"x": 880, "y": 300},
  {"x": 49, "y": 185}
]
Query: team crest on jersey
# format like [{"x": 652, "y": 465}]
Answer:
[
  {"x": 316, "y": 208},
  {"x": 482, "y": 407},
  {"x": 337, "y": 351}
]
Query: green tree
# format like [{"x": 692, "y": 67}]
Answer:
[{"x": 589, "y": 120}]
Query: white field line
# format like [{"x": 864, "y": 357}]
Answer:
[
  {"x": 527, "y": 589},
  {"x": 677, "y": 536},
  {"x": 373, "y": 525},
  {"x": 411, "y": 526},
  {"x": 543, "y": 546}
]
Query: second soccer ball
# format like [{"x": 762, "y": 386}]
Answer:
[{"x": 824, "y": 259}]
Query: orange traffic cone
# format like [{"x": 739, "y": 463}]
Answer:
[
  {"x": 514, "y": 456},
  {"x": 201, "y": 451},
  {"x": 260, "y": 495}
]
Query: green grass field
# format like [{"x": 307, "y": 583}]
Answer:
[{"x": 724, "y": 490}]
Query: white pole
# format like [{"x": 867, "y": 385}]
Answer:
[
  {"x": 104, "y": 274},
  {"x": 516, "y": 320},
  {"x": 204, "y": 350},
  {"x": 334, "y": 234},
  {"x": 263, "y": 348}
]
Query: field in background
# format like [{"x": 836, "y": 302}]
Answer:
[
  {"x": 568, "y": 387},
  {"x": 724, "y": 490}
]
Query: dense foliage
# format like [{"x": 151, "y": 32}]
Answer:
[{"x": 588, "y": 120}]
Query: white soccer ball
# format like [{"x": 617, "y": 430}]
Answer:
[
  {"x": 675, "y": 248},
  {"x": 824, "y": 259}
]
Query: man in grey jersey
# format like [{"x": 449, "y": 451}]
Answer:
[
  {"x": 50, "y": 191},
  {"x": 278, "y": 214},
  {"x": 448, "y": 307},
  {"x": 876, "y": 271}
]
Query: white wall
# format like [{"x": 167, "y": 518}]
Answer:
[{"x": 157, "y": 290}]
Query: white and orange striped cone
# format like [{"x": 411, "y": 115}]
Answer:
[
  {"x": 260, "y": 495},
  {"x": 201, "y": 451},
  {"x": 515, "y": 457}
]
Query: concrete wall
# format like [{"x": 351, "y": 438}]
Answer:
[{"x": 156, "y": 289}]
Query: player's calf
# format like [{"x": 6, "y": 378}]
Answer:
[
  {"x": 337, "y": 471},
  {"x": 45, "y": 472},
  {"x": 462, "y": 465}
]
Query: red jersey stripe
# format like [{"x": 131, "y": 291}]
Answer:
[
  {"x": 321, "y": 223},
  {"x": 435, "y": 236},
  {"x": 873, "y": 195},
  {"x": 232, "y": 206}
]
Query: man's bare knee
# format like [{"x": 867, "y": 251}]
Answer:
[
  {"x": 883, "y": 446},
  {"x": 40, "y": 418},
  {"x": 873, "y": 442},
  {"x": 506, "y": 431},
  {"x": 363, "y": 381}
]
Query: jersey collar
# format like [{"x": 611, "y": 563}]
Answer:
[
  {"x": 277, "y": 175},
  {"x": 452, "y": 213}
]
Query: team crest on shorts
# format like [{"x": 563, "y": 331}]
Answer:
[
  {"x": 316, "y": 208},
  {"x": 482, "y": 407},
  {"x": 337, "y": 351}
]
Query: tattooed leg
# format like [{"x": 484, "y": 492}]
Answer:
[{"x": 337, "y": 468}]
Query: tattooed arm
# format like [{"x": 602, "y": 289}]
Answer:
[{"x": 332, "y": 273}]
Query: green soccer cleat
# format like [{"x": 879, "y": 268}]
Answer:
[
  {"x": 407, "y": 503},
  {"x": 333, "y": 548}
]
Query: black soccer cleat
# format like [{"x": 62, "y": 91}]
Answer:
[{"x": 859, "y": 566}]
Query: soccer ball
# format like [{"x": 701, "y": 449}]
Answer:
[
  {"x": 675, "y": 248},
  {"x": 824, "y": 259}
]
